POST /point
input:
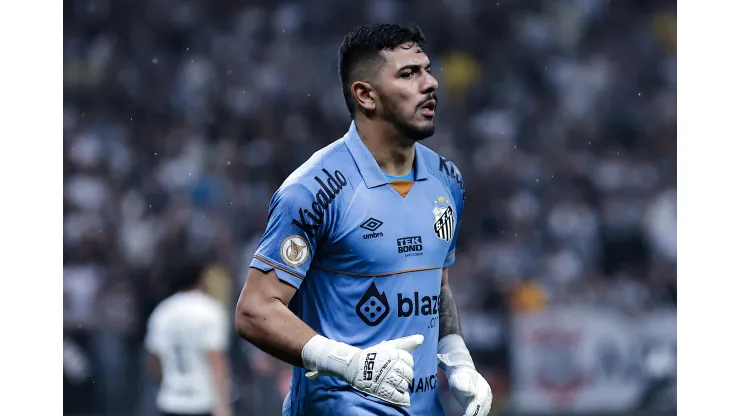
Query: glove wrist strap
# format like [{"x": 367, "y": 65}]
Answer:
[
  {"x": 452, "y": 352},
  {"x": 327, "y": 356}
]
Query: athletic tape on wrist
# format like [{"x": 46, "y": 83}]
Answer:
[
  {"x": 452, "y": 352},
  {"x": 325, "y": 355}
]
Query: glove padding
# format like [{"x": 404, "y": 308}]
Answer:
[
  {"x": 383, "y": 370},
  {"x": 467, "y": 385},
  {"x": 471, "y": 390}
]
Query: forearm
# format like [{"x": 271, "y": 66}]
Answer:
[
  {"x": 154, "y": 367},
  {"x": 273, "y": 328},
  {"x": 451, "y": 343},
  {"x": 222, "y": 391},
  {"x": 221, "y": 380},
  {"x": 449, "y": 321}
]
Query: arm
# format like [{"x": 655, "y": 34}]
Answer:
[
  {"x": 153, "y": 366},
  {"x": 153, "y": 363},
  {"x": 263, "y": 318},
  {"x": 262, "y": 315},
  {"x": 218, "y": 365},
  {"x": 279, "y": 267},
  {"x": 449, "y": 321},
  {"x": 469, "y": 388},
  {"x": 216, "y": 345},
  {"x": 451, "y": 347}
]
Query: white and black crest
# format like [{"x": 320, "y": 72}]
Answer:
[{"x": 444, "y": 219}]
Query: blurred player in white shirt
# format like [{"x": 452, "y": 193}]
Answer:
[{"x": 187, "y": 341}]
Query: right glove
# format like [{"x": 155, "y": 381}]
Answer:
[
  {"x": 467, "y": 385},
  {"x": 383, "y": 370}
]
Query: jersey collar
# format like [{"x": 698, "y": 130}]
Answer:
[{"x": 369, "y": 169}]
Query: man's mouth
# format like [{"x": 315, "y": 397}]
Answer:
[{"x": 427, "y": 109}]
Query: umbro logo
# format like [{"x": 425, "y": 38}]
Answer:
[{"x": 372, "y": 225}]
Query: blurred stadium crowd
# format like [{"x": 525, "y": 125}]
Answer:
[{"x": 182, "y": 117}]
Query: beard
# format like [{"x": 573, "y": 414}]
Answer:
[{"x": 415, "y": 132}]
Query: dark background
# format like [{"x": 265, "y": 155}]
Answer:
[{"x": 182, "y": 117}]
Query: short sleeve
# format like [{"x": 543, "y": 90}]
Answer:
[
  {"x": 152, "y": 341},
  {"x": 289, "y": 242},
  {"x": 216, "y": 336},
  {"x": 457, "y": 189}
]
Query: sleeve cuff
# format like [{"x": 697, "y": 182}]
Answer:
[
  {"x": 149, "y": 345},
  {"x": 290, "y": 277},
  {"x": 449, "y": 260}
]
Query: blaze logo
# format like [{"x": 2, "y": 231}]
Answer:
[
  {"x": 424, "y": 306},
  {"x": 373, "y": 307}
]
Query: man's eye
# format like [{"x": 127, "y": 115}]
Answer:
[{"x": 406, "y": 74}]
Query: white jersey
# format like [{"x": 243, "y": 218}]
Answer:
[{"x": 180, "y": 331}]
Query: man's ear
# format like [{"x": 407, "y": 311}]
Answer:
[{"x": 365, "y": 95}]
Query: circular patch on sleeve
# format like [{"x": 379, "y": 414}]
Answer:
[{"x": 294, "y": 250}]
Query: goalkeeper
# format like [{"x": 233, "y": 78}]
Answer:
[{"x": 349, "y": 282}]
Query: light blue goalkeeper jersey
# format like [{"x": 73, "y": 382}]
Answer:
[{"x": 366, "y": 256}]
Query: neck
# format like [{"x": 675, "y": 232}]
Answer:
[
  {"x": 393, "y": 151},
  {"x": 194, "y": 289}
]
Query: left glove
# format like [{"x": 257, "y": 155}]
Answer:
[
  {"x": 383, "y": 370},
  {"x": 467, "y": 385}
]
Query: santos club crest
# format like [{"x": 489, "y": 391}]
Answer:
[{"x": 444, "y": 219}]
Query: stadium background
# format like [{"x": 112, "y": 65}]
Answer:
[{"x": 181, "y": 118}]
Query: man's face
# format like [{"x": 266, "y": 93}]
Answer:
[{"x": 407, "y": 91}]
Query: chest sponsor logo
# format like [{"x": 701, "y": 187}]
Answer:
[
  {"x": 309, "y": 220},
  {"x": 410, "y": 246},
  {"x": 416, "y": 305},
  {"x": 444, "y": 219},
  {"x": 372, "y": 225},
  {"x": 374, "y": 307}
]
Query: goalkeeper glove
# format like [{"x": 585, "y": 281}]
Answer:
[
  {"x": 469, "y": 388},
  {"x": 383, "y": 370}
]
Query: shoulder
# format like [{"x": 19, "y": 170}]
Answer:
[
  {"x": 319, "y": 190},
  {"x": 160, "y": 312},
  {"x": 330, "y": 170},
  {"x": 212, "y": 308},
  {"x": 444, "y": 170}
]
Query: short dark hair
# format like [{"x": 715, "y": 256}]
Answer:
[
  {"x": 359, "y": 53},
  {"x": 186, "y": 274}
]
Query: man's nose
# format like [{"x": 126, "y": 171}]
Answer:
[{"x": 429, "y": 85}]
